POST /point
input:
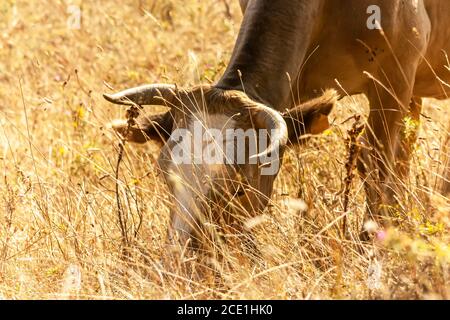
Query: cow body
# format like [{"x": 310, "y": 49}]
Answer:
[
  {"x": 289, "y": 51},
  {"x": 323, "y": 41}
]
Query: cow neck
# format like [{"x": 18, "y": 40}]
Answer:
[{"x": 272, "y": 44}]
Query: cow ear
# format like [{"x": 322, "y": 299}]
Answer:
[
  {"x": 319, "y": 123},
  {"x": 149, "y": 128},
  {"x": 310, "y": 117}
]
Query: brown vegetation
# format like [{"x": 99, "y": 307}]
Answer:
[{"x": 60, "y": 236}]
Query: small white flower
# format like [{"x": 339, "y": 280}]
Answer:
[
  {"x": 297, "y": 205},
  {"x": 371, "y": 226}
]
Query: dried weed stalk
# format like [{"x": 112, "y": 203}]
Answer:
[
  {"x": 353, "y": 151},
  {"x": 131, "y": 114}
]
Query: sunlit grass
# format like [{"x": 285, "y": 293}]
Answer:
[{"x": 59, "y": 232}]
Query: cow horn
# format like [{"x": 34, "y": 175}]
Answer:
[
  {"x": 271, "y": 120},
  {"x": 152, "y": 94}
]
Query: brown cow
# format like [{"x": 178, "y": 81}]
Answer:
[{"x": 288, "y": 52}]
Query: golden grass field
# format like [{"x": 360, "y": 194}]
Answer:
[{"x": 59, "y": 231}]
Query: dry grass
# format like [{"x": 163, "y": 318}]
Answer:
[{"x": 59, "y": 231}]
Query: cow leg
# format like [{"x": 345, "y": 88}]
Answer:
[
  {"x": 445, "y": 180},
  {"x": 380, "y": 143},
  {"x": 408, "y": 137}
]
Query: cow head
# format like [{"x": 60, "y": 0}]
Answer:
[{"x": 222, "y": 150}]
